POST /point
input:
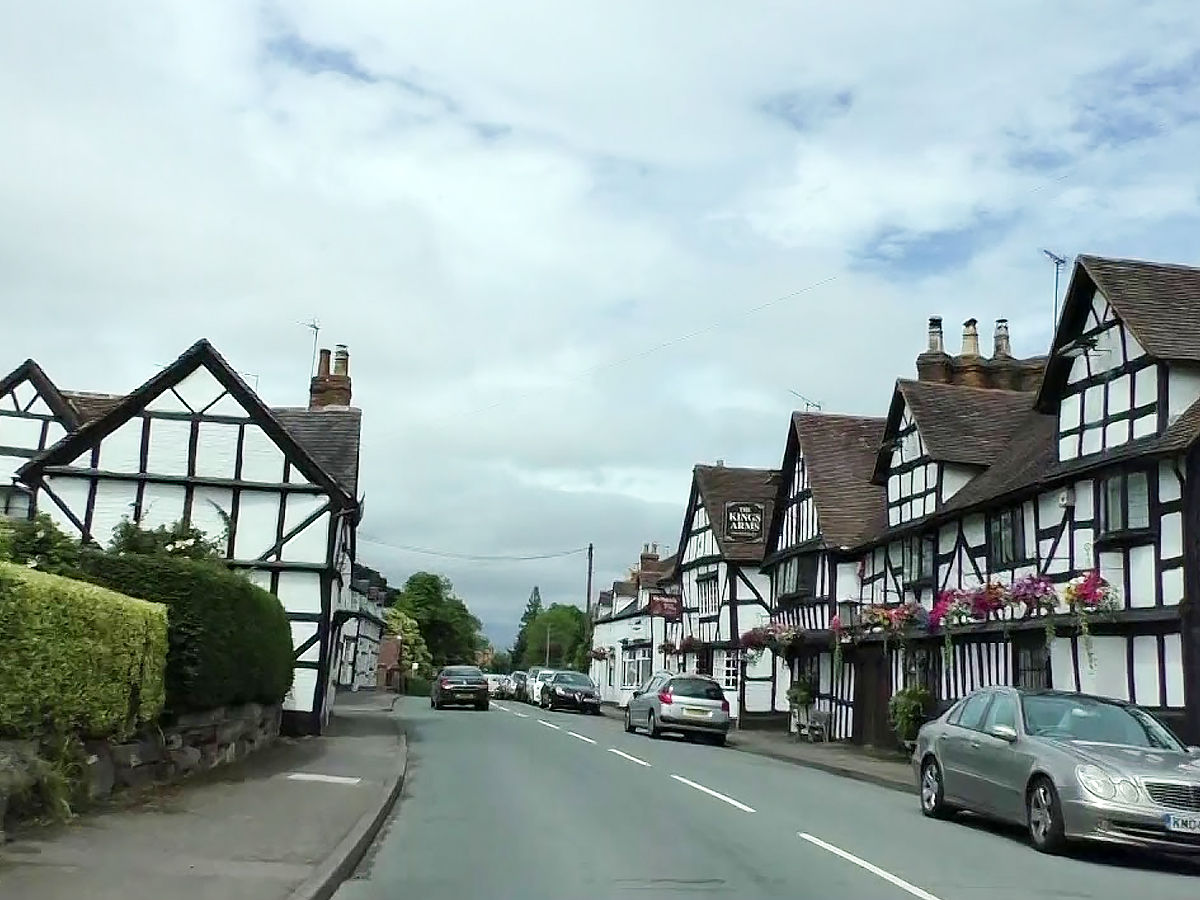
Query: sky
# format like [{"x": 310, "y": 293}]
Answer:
[{"x": 573, "y": 249}]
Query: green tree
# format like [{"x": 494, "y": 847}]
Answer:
[
  {"x": 563, "y": 627},
  {"x": 412, "y": 645},
  {"x": 452, "y": 634},
  {"x": 533, "y": 609},
  {"x": 501, "y": 662}
]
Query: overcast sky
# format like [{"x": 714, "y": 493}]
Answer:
[{"x": 552, "y": 235}]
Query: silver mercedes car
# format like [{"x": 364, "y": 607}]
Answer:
[{"x": 1066, "y": 766}]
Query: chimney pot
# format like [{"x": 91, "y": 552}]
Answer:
[
  {"x": 341, "y": 360},
  {"x": 1003, "y": 346},
  {"x": 323, "y": 363},
  {"x": 970, "y": 339},
  {"x": 654, "y": 547},
  {"x": 935, "y": 335},
  {"x": 720, "y": 462},
  {"x": 645, "y": 548}
]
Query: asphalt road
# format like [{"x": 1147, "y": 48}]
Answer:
[{"x": 501, "y": 805}]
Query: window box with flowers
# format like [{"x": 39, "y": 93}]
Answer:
[
  {"x": 668, "y": 648},
  {"x": 1089, "y": 596},
  {"x": 755, "y": 642},
  {"x": 598, "y": 653},
  {"x": 690, "y": 645},
  {"x": 1034, "y": 596},
  {"x": 784, "y": 640}
]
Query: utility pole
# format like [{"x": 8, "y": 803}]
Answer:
[
  {"x": 588, "y": 603},
  {"x": 547, "y": 646}
]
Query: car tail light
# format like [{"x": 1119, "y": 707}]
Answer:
[
  {"x": 724, "y": 706},
  {"x": 664, "y": 696},
  {"x": 445, "y": 682}
]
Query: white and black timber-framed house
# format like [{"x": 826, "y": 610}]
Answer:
[
  {"x": 362, "y": 628},
  {"x": 1098, "y": 474},
  {"x": 827, "y": 505},
  {"x": 722, "y": 591},
  {"x": 196, "y": 444},
  {"x": 630, "y": 626}
]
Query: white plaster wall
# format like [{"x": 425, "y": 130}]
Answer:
[
  {"x": 216, "y": 450},
  {"x": 1183, "y": 389},
  {"x": 954, "y": 479},
  {"x": 311, "y": 544},
  {"x": 258, "y": 515},
  {"x": 167, "y": 451},
  {"x": 303, "y": 693},
  {"x": 162, "y": 504},
  {"x": 114, "y": 501},
  {"x": 72, "y": 490},
  {"x": 205, "y": 504},
  {"x": 121, "y": 451},
  {"x": 262, "y": 460},
  {"x": 301, "y": 632},
  {"x": 300, "y": 591}
]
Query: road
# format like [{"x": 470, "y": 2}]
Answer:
[{"x": 524, "y": 804}]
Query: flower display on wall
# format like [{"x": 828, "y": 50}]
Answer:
[{"x": 1089, "y": 596}]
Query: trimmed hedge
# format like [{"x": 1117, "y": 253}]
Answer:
[
  {"x": 75, "y": 657},
  {"x": 230, "y": 641}
]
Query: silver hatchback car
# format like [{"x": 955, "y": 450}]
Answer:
[{"x": 689, "y": 704}]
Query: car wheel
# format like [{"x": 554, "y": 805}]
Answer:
[
  {"x": 628, "y": 721},
  {"x": 431, "y": 703},
  {"x": 1044, "y": 816},
  {"x": 483, "y": 706},
  {"x": 652, "y": 725},
  {"x": 717, "y": 740},
  {"x": 933, "y": 793}
]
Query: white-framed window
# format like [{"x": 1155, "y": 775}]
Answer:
[
  {"x": 708, "y": 593},
  {"x": 635, "y": 667},
  {"x": 731, "y": 669}
]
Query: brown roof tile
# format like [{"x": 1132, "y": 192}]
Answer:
[
  {"x": 89, "y": 405},
  {"x": 961, "y": 424},
  {"x": 1159, "y": 303},
  {"x": 839, "y": 454},
  {"x": 719, "y": 485}
]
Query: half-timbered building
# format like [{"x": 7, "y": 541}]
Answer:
[
  {"x": 827, "y": 504},
  {"x": 33, "y": 415},
  {"x": 363, "y": 629},
  {"x": 1091, "y": 468},
  {"x": 722, "y": 591},
  {"x": 195, "y": 444}
]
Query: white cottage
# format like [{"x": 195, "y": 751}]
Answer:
[
  {"x": 1092, "y": 467},
  {"x": 363, "y": 630},
  {"x": 196, "y": 444},
  {"x": 826, "y": 505},
  {"x": 722, "y": 590},
  {"x": 33, "y": 415}
]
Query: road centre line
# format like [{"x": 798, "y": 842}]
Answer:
[
  {"x": 548, "y": 724},
  {"x": 521, "y": 715},
  {"x": 863, "y": 864},
  {"x": 498, "y": 706},
  {"x": 640, "y": 762},
  {"x": 317, "y": 776},
  {"x": 581, "y": 737},
  {"x": 712, "y": 793}
]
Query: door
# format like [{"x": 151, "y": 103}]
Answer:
[
  {"x": 872, "y": 690},
  {"x": 998, "y": 767},
  {"x": 955, "y": 749}
]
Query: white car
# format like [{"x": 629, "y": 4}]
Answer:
[
  {"x": 493, "y": 682},
  {"x": 535, "y": 688}
]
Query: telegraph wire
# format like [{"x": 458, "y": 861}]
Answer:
[{"x": 471, "y": 557}]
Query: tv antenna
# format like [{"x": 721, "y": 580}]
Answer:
[
  {"x": 1059, "y": 262},
  {"x": 315, "y": 327},
  {"x": 808, "y": 404}
]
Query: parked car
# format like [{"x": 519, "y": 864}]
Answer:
[
  {"x": 689, "y": 704},
  {"x": 460, "y": 685},
  {"x": 571, "y": 690},
  {"x": 494, "y": 682},
  {"x": 533, "y": 686},
  {"x": 1066, "y": 766},
  {"x": 518, "y": 685},
  {"x": 530, "y": 678}
]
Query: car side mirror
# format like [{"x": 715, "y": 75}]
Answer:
[
  {"x": 1004, "y": 732},
  {"x": 636, "y": 693}
]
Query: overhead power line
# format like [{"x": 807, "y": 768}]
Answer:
[{"x": 471, "y": 557}]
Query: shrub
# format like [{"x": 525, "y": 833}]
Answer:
[
  {"x": 230, "y": 641},
  {"x": 75, "y": 657},
  {"x": 39, "y": 544}
]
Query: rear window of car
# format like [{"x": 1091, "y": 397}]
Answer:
[
  {"x": 697, "y": 688},
  {"x": 462, "y": 671}
]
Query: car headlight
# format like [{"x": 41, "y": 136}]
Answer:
[
  {"x": 562, "y": 692},
  {"x": 1099, "y": 783}
]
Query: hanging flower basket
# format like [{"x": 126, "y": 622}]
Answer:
[
  {"x": 951, "y": 610},
  {"x": 784, "y": 640},
  {"x": 876, "y": 618},
  {"x": 1034, "y": 596},
  {"x": 755, "y": 642},
  {"x": 1089, "y": 596},
  {"x": 835, "y": 626},
  {"x": 907, "y": 616},
  {"x": 986, "y": 601},
  {"x": 598, "y": 653},
  {"x": 689, "y": 645},
  {"x": 668, "y": 647}
]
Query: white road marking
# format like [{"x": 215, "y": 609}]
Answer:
[
  {"x": 640, "y": 762},
  {"x": 548, "y": 724},
  {"x": 520, "y": 715},
  {"x": 498, "y": 706},
  {"x": 873, "y": 869},
  {"x": 316, "y": 776},
  {"x": 712, "y": 793},
  {"x": 581, "y": 737}
]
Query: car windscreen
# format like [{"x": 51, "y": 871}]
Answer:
[
  {"x": 1085, "y": 719},
  {"x": 545, "y": 676},
  {"x": 576, "y": 679},
  {"x": 697, "y": 688}
]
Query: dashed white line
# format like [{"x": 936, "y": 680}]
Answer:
[
  {"x": 520, "y": 715},
  {"x": 640, "y": 762},
  {"x": 581, "y": 737},
  {"x": 498, "y": 706},
  {"x": 712, "y": 793},
  {"x": 863, "y": 864},
  {"x": 548, "y": 724},
  {"x": 317, "y": 776}
]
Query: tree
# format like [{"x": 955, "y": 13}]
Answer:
[
  {"x": 412, "y": 644},
  {"x": 452, "y": 634},
  {"x": 501, "y": 662},
  {"x": 533, "y": 609},
  {"x": 564, "y": 628}
]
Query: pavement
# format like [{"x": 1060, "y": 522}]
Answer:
[
  {"x": 249, "y": 831},
  {"x": 521, "y": 803}
]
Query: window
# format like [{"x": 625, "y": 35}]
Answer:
[
  {"x": 699, "y": 688},
  {"x": 732, "y": 668},
  {"x": 704, "y": 662},
  {"x": 708, "y": 598},
  {"x": 15, "y": 503},
  {"x": 919, "y": 553},
  {"x": 1006, "y": 539},
  {"x": 1003, "y": 711},
  {"x": 918, "y": 669},
  {"x": 635, "y": 667},
  {"x": 1031, "y": 667},
  {"x": 971, "y": 714},
  {"x": 1125, "y": 502}
]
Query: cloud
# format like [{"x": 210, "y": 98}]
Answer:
[{"x": 552, "y": 238}]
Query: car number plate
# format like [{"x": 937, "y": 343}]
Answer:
[
  {"x": 698, "y": 713},
  {"x": 1187, "y": 824}
]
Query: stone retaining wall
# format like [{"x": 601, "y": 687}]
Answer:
[{"x": 197, "y": 741}]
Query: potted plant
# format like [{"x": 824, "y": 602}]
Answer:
[
  {"x": 801, "y": 695},
  {"x": 907, "y": 712}
]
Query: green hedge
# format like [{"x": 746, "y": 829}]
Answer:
[
  {"x": 415, "y": 686},
  {"x": 230, "y": 641},
  {"x": 75, "y": 657}
]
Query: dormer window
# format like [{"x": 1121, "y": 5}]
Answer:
[
  {"x": 919, "y": 560},
  {"x": 1125, "y": 503}
]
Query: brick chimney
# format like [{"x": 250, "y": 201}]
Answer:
[
  {"x": 331, "y": 388},
  {"x": 934, "y": 363},
  {"x": 969, "y": 366},
  {"x": 1001, "y": 348},
  {"x": 648, "y": 558}
]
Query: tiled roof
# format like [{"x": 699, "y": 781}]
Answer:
[
  {"x": 719, "y": 485},
  {"x": 331, "y": 435},
  {"x": 625, "y": 588},
  {"x": 839, "y": 455},
  {"x": 89, "y": 405},
  {"x": 961, "y": 424},
  {"x": 1159, "y": 303}
]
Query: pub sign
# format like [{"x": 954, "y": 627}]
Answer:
[
  {"x": 668, "y": 606},
  {"x": 744, "y": 521}
]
